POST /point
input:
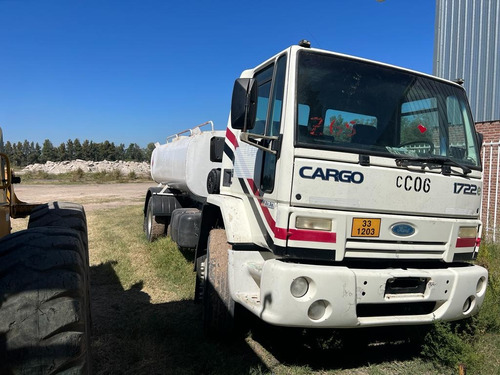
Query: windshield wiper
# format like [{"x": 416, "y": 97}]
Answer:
[{"x": 443, "y": 161}]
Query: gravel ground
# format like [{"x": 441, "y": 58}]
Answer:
[{"x": 91, "y": 196}]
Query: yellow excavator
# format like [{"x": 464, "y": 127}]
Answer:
[
  {"x": 10, "y": 205},
  {"x": 45, "y": 322}
]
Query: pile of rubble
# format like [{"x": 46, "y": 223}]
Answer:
[{"x": 141, "y": 169}]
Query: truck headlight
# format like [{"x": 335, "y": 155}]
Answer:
[
  {"x": 314, "y": 223},
  {"x": 467, "y": 232}
]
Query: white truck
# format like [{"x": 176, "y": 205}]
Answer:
[{"x": 343, "y": 193}]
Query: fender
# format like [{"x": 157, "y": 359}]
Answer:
[
  {"x": 232, "y": 209},
  {"x": 163, "y": 205}
]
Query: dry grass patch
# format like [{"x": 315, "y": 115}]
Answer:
[{"x": 19, "y": 224}]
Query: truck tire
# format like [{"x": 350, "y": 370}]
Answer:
[
  {"x": 218, "y": 306},
  {"x": 154, "y": 226},
  {"x": 61, "y": 214},
  {"x": 44, "y": 307},
  {"x": 66, "y": 215}
]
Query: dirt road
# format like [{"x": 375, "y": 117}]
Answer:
[{"x": 91, "y": 196}]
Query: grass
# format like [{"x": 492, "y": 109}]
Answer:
[
  {"x": 144, "y": 317},
  {"x": 146, "y": 322}
]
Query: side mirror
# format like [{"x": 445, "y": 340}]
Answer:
[{"x": 244, "y": 104}]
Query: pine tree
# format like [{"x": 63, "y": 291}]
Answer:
[
  {"x": 62, "y": 153},
  {"x": 78, "y": 149},
  {"x": 70, "y": 150},
  {"x": 48, "y": 152}
]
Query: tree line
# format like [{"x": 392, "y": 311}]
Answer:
[{"x": 25, "y": 153}]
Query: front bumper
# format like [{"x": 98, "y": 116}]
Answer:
[{"x": 341, "y": 297}]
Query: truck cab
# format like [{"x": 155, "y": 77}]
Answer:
[{"x": 358, "y": 187}]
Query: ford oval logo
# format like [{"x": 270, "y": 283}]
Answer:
[{"x": 403, "y": 230}]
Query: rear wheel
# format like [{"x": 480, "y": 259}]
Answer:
[
  {"x": 44, "y": 302},
  {"x": 218, "y": 306},
  {"x": 154, "y": 225}
]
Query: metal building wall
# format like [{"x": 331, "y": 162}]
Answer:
[{"x": 467, "y": 45}]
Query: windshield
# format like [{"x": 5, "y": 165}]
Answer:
[{"x": 362, "y": 107}]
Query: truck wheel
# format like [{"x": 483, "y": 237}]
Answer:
[
  {"x": 44, "y": 307},
  {"x": 218, "y": 306},
  {"x": 154, "y": 225}
]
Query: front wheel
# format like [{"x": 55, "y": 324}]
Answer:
[{"x": 218, "y": 306}]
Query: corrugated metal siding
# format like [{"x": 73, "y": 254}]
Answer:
[{"x": 467, "y": 45}]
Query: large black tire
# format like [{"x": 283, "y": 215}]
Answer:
[
  {"x": 218, "y": 306},
  {"x": 61, "y": 214},
  {"x": 44, "y": 307},
  {"x": 66, "y": 215},
  {"x": 154, "y": 226}
]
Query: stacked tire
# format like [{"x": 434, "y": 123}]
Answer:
[{"x": 45, "y": 323}]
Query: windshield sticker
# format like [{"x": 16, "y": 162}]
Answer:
[
  {"x": 317, "y": 128},
  {"x": 422, "y": 128},
  {"x": 339, "y": 128}
]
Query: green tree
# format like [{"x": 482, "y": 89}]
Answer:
[
  {"x": 134, "y": 153},
  {"x": 107, "y": 151},
  {"x": 78, "y": 149},
  {"x": 37, "y": 153},
  {"x": 61, "y": 152},
  {"x": 8, "y": 149},
  {"x": 17, "y": 155},
  {"x": 70, "y": 150},
  {"x": 149, "y": 151},
  {"x": 86, "y": 152},
  {"x": 48, "y": 152},
  {"x": 93, "y": 153},
  {"x": 120, "y": 152},
  {"x": 31, "y": 154}
]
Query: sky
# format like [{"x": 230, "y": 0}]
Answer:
[{"x": 137, "y": 71}]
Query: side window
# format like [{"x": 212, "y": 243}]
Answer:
[
  {"x": 264, "y": 88},
  {"x": 274, "y": 123},
  {"x": 461, "y": 137}
]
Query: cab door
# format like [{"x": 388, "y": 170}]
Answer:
[{"x": 271, "y": 84}]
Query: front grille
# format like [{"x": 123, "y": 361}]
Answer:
[{"x": 394, "y": 249}]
